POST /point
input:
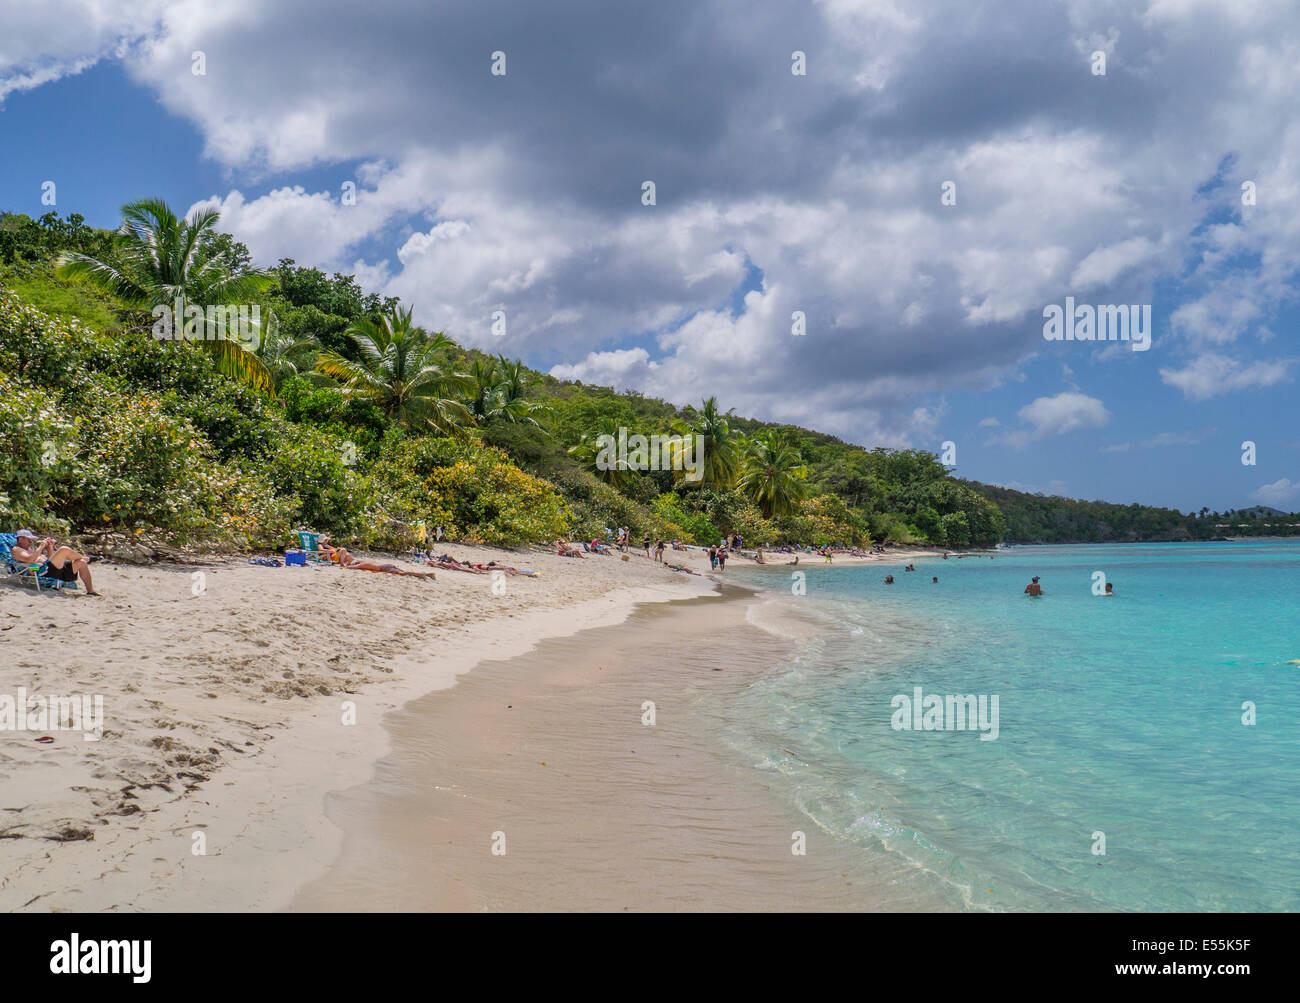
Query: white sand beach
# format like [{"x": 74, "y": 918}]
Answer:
[{"x": 234, "y": 702}]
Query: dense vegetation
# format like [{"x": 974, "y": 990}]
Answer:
[
  {"x": 332, "y": 409},
  {"x": 1034, "y": 518}
]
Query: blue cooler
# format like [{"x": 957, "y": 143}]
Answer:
[{"x": 292, "y": 557}]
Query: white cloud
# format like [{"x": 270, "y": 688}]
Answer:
[
  {"x": 1212, "y": 375},
  {"x": 1105, "y": 264},
  {"x": 1281, "y": 494},
  {"x": 1058, "y": 415},
  {"x": 41, "y": 42},
  {"x": 522, "y": 192}
]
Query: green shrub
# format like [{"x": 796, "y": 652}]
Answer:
[{"x": 472, "y": 490}]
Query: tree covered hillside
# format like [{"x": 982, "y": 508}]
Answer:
[{"x": 126, "y": 405}]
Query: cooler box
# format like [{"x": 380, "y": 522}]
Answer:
[{"x": 292, "y": 557}]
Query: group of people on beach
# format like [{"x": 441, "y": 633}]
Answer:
[{"x": 50, "y": 560}]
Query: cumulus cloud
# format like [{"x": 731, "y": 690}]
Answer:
[
  {"x": 1211, "y": 375},
  {"x": 776, "y": 194},
  {"x": 1105, "y": 264},
  {"x": 1058, "y": 415},
  {"x": 42, "y": 42},
  {"x": 1282, "y": 493}
]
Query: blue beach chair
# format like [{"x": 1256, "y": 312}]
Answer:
[
  {"x": 309, "y": 544},
  {"x": 26, "y": 574}
]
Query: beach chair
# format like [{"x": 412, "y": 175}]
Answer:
[
  {"x": 25, "y": 574},
  {"x": 309, "y": 544}
]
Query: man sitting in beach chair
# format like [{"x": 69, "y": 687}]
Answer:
[{"x": 49, "y": 563}]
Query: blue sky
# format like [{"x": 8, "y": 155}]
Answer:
[{"x": 775, "y": 193}]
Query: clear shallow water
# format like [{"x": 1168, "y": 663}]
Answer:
[{"x": 1119, "y": 715}]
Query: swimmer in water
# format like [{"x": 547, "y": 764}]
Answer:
[
  {"x": 889, "y": 579},
  {"x": 935, "y": 579},
  {"x": 1033, "y": 588},
  {"x": 1110, "y": 590}
]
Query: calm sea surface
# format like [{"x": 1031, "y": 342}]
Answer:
[{"x": 1118, "y": 718}]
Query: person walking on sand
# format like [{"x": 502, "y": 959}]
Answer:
[
  {"x": 63, "y": 563},
  {"x": 659, "y": 552},
  {"x": 1033, "y": 588},
  {"x": 713, "y": 557},
  {"x": 722, "y": 560}
]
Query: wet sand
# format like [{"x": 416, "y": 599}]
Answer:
[{"x": 547, "y": 757}]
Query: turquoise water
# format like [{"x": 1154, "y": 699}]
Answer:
[{"x": 1121, "y": 716}]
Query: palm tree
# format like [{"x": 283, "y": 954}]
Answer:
[
  {"x": 773, "y": 474},
  {"x": 285, "y": 356},
  {"x": 499, "y": 392},
  {"x": 401, "y": 371},
  {"x": 716, "y": 439},
  {"x": 159, "y": 259}
]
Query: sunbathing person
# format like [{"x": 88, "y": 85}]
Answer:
[
  {"x": 343, "y": 559},
  {"x": 486, "y": 569},
  {"x": 564, "y": 549},
  {"x": 494, "y": 566},
  {"x": 63, "y": 563},
  {"x": 356, "y": 564},
  {"x": 451, "y": 564}
]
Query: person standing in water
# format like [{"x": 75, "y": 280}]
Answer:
[{"x": 1033, "y": 588}]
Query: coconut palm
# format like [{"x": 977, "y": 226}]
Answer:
[
  {"x": 716, "y": 439},
  {"x": 773, "y": 474},
  {"x": 159, "y": 259},
  {"x": 285, "y": 356},
  {"x": 499, "y": 392},
  {"x": 401, "y": 371}
]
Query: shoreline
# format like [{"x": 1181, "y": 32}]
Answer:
[
  {"x": 111, "y": 825},
  {"x": 549, "y": 759},
  {"x": 223, "y": 710}
]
